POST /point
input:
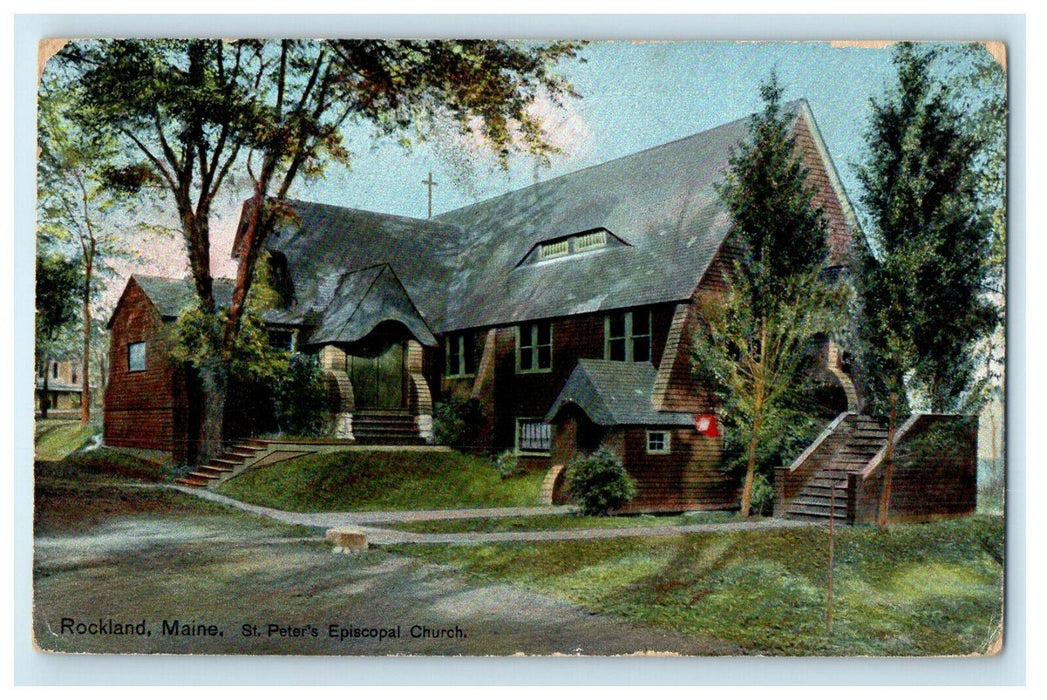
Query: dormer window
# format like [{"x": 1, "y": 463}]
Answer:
[
  {"x": 555, "y": 250},
  {"x": 565, "y": 246},
  {"x": 590, "y": 241}
]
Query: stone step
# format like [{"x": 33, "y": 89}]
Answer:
[
  {"x": 196, "y": 483},
  {"x": 214, "y": 469},
  {"x": 203, "y": 475}
]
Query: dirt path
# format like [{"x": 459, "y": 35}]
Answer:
[
  {"x": 365, "y": 521},
  {"x": 249, "y": 585}
]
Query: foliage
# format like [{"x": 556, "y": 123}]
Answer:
[
  {"x": 761, "y": 368},
  {"x": 382, "y": 480},
  {"x": 782, "y": 233},
  {"x": 762, "y": 495},
  {"x": 57, "y": 283},
  {"x": 924, "y": 280},
  {"x": 599, "y": 483},
  {"x": 456, "y": 420},
  {"x": 754, "y": 342},
  {"x": 298, "y": 396},
  {"x": 191, "y": 112},
  {"x": 508, "y": 465}
]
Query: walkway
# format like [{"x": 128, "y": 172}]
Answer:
[{"x": 365, "y": 521}]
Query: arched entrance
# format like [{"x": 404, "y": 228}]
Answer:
[{"x": 376, "y": 365}]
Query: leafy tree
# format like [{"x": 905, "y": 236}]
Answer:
[
  {"x": 759, "y": 366},
  {"x": 57, "y": 284},
  {"x": 754, "y": 340},
  {"x": 75, "y": 201},
  {"x": 195, "y": 111},
  {"x": 925, "y": 277}
]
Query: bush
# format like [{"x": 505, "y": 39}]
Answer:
[
  {"x": 599, "y": 483},
  {"x": 456, "y": 420},
  {"x": 761, "y": 500},
  {"x": 299, "y": 404},
  {"x": 508, "y": 465}
]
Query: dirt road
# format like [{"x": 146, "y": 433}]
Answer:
[{"x": 185, "y": 577}]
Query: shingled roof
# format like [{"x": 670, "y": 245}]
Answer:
[
  {"x": 172, "y": 296},
  {"x": 614, "y": 393},
  {"x": 471, "y": 267}
]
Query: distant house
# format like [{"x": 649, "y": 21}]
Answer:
[
  {"x": 566, "y": 309},
  {"x": 59, "y": 385}
]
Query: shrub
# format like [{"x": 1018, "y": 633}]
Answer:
[
  {"x": 599, "y": 483},
  {"x": 508, "y": 465},
  {"x": 299, "y": 405},
  {"x": 456, "y": 420},
  {"x": 761, "y": 500}
]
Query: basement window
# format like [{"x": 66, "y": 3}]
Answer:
[
  {"x": 533, "y": 435},
  {"x": 658, "y": 442},
  {"x": 136, "y": 357}
]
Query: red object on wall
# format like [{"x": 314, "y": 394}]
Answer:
[{"x": 705, "y": 423}]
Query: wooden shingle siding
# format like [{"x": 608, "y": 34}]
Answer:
[
  {"x": 818, "y": 177},
  {"x": 687, "y": 478},
  {"x": 934, "y": 475},
  {"x": 145, "y": 409}
]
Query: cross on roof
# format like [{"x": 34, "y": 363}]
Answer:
[{"x": 430, "y": 183}]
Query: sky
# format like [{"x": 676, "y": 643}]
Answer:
[{"x": 632, "y": 96}]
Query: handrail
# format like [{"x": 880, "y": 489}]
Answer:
[
  {"x": 822, "y": 437},
  {"x": 874, "y": 463}
]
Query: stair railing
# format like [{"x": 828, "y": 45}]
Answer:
[{"x": 790, "y": 481}]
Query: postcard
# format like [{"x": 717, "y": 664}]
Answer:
[{"x": 357, "y": 347}]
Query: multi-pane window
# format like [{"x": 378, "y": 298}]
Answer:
[
  {"x": 589, "y": 241},
  {"x": 555, "y": 250},
  {"x": 534, "y": 347},
  {"x": 281, "y": 339},
  {"x": 136, "y": 357},
  {"x": 533, "y": 435},
  {"x": 461, "y": 354},
  {"x": 658, "y": 442},
  {"x": 628, "y": 336}
]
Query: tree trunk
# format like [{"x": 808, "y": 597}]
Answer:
[
  {"x": 888, "y": 470},
  {"x": 85, "y": 362},
  {"x": 215, "y": 390},
  {"x": 45, "y": 401}
]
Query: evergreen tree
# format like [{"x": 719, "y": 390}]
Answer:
[
  {"x": 58, "y": 281},
  {"x": 924, "y": 279},
  {"x": 754, "y": 342}
]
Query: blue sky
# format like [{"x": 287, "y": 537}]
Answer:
[{"x": 634, "y": 95}]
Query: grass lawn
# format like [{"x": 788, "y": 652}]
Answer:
[
  {"x": 382, "y": 481},
  {"x": 558, "y": 522},
  {"x": 934, "y": 589},
  {"x": 56, "y": 438}
]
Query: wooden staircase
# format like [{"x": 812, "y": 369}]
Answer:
[
  {"x": 386, "y": 428},
  {"x": 854, "y": 453},
  {"x": 224, "y": 465}
]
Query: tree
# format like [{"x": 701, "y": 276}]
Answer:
[
  {"x": 759, "y": 365},
  {"x": 194, "y": 112},
  {"x": 926, "y": 274},
  {"x": 57, "y": 283},
  {"x": 753, "y": 341},
  {"x": 75, "y": 199}
]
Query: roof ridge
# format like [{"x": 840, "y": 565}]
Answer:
[{"x": 792, "y": 106}]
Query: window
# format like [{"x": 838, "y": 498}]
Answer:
[
  {"x": 54, "y": 371},
  {"x": 73, "y": 380},
  {"x": 589, "y": 241},
  {"x": 554, "y": 250},
  {"x": 281, "y": 339},
  {"x": 461, "y": 354},
  {"x": 534, "y": 347},
  {"x": 628, "y": 336},
  {"x": 533, "y": 435},
  {"x": 136, "y": 357},
  {"x": 658, "y": 442}
]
